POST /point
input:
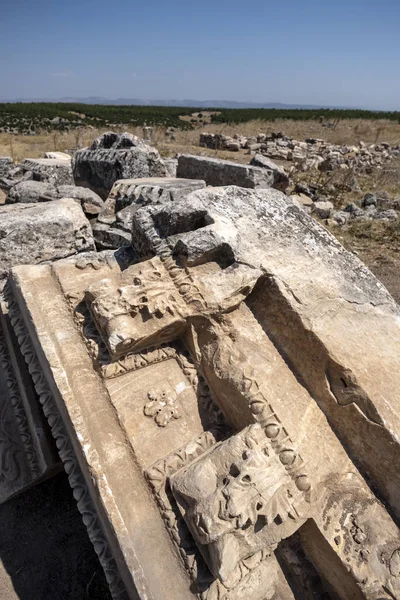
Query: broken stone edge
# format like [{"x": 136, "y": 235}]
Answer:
[{"x": 66, "y": 452}]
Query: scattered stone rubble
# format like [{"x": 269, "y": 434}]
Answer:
[
  {"x": 222, "y": 390},
  {"x": 371, "y": 206},
  {"x": 311, "y": 154}
]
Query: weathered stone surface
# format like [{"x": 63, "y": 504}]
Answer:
[
  {"x": 124, "y": 217},
  {"x": 115, "y": 156},
  {"x": 224, "y": 422},
  {"x": 302, "y": 201},
  {"x": 343, "y": 316},
  {"x": 152, "y": 190},
  {"x": 58, "y": 155},
  {"x": 216, "y": 172},
  {"x": 389, "y": 215},
  {"x": 55, "y": 171},
  {"x": 6, "y": 164},
  {"x": 280, "y": 178},
  {"x": 91, "y": 203},
  {"x": 27, "y": 450},
  {"x": 369, "y": 200},
  {"x": 250, "y": 485},
  {"x": 108, "y": 236},
  {"x": 171, "y": 164},
  {"x": 31, "y": 234},
  {"x": 323, "y": 209},
  {"x": 40, "y": 191},
  {"x": 14, "y": 176},
  {"x": 31, "y": 191},
  {"x": 127, "y": 196}
]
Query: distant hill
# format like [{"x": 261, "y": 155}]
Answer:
[{"x": 172, "y": 102}]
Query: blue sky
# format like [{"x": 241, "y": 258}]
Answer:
[{"x": 300, "y": 51}]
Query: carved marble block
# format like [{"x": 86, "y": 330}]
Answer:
[
  {"x": 200, "y": 447},
  {"x": 238, "y": 498},
  {"x": 27, "y": 450}
]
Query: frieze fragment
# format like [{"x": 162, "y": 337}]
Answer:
[
  {"x": 153, "y": 303},
  {"x": 237, "y": 499}
]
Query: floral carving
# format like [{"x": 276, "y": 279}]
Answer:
[
  {"x": 163, "y": 406},
  {"x": 237, "y": 498}
]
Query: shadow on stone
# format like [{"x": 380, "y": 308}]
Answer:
[{"x": 44, "y": 548}]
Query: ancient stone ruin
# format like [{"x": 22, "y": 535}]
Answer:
[
  {"x": 221, "y": 390},
  {"x": 312, "y": 153}
]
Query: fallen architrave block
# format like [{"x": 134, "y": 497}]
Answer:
[
  {"x": 332, "y": 320},
  {"x": 195, "y": 450},
  {"x": 53, "y": 170},
  {"x": 27, "y": 450}
]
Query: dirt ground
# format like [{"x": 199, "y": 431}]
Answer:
[
  {"x": 45, "y": 553},
  {"x": 381, "y": 258}
]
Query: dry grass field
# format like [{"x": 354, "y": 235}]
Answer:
[{"x": 347, "y": 131}]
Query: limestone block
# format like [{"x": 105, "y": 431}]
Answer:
[
  {"x": 323, "y": 209},
  {"x": 280, "y": 178},
  {"x": 91, "y": 203},
  {"x": 302, "y": 201},
  {"x": 27, "y": 450},
  {"x": 215, "y": 171},
  {"x": 57, "y": 155},
  {"x": 6, "y": 164},
  {"x": 31, "y": 234},
  {"x": 112, "y": 157},
  {"x": 31, "y": 192},
  {"x": 40, "y": 191},
  {"x": 152, "y": 190},
  {"x": 55, "y": 171}
]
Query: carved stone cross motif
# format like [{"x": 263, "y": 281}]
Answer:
[
  {"x": 245, "y": 494},
  {"x": 158, "y": 301}
]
